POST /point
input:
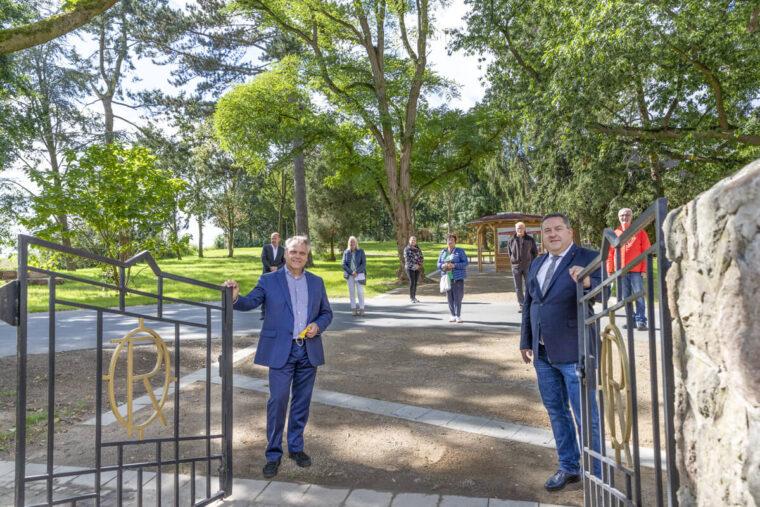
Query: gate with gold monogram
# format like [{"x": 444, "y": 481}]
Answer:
[
  {"x": 627, "y": 374},
  {"x": 157, "y": 434}
]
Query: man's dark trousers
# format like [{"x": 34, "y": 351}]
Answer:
[
  {"x": 520, "y": 275},
  {"x": 298, "y": 374}
]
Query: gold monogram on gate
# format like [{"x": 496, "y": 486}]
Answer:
[
  {"x": 618, "y": 405},
  {"x": 140, "y": 335}
]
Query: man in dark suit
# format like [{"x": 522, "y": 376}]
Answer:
[
  {"x": 272, "y": 255},
  {"x": 290, "y": 344},
  {"x": 549, "y": 338},
  {"x": 522, "y": 250}
]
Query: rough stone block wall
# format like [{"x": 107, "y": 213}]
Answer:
[{"x": 714, "y": 295}]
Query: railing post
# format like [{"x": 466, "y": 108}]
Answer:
[
  {"x": 21, "y": 336},
  {"x": 225, "y": 366}
]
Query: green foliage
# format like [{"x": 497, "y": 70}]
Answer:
[
  {"x": 613, "y": 104},
  {"x": 261, "y": 119},
  {"x": 114, "y": 194}
]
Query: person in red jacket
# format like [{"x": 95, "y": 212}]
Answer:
[{"x": 633, "y": 281}]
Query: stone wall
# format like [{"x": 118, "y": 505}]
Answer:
[{"x": 714, "y": 295}]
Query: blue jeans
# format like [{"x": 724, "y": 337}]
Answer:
[
  {"x": 630, "y": 283},
  {"x": 559, "y": 385}
]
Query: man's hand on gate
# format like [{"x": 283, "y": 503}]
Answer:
[
  {"x": 527, "y": 355},
  {"x": 235, "y": 289},
  {"x": 575, "y": 271}
]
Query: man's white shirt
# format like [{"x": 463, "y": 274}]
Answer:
[{"x": 545, "y": 266}]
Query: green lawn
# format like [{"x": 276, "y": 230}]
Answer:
[{"x": 245, "y": 267}]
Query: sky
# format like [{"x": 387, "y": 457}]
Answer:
[{"x": 462, "y": 69}]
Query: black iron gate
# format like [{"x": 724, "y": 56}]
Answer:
[
  {"x": 631, "y": 473},
  {"x": 202, "y": 452}
]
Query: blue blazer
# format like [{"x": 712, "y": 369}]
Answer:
[
  {"x": 554, "y": 316},
  {"x": 361, "y": 262},
  {"x": 459, "y": 259},
  {"x": 276, "y": 337}
]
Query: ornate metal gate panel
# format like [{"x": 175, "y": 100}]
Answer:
[
  {"x": 632, "y": 472},
  {"x": 202, "y": 452}
]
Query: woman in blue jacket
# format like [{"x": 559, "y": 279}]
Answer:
[
  {"x": 452, "y": 262},
  {"x": 355, "y": 273}
]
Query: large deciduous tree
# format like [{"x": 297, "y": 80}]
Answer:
[
  {"x": 677, "y": 79},
  {"x": 611, "y": 104},
  {"x": 268, "y": 122},
  {"x": 372, "y": 67}
]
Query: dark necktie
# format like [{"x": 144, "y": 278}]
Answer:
[{"x": 549, "y": 274}]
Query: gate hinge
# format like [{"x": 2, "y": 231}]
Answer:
[{"x": 9, "y": 303}]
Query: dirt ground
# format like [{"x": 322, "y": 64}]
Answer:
[{"x": 469, "y": 371}]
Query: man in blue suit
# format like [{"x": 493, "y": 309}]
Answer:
[
  {"x": 549, "y": 338},
  {"x": 290, "y": 344}
]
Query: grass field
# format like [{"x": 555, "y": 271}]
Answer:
[{"x": 245, "y": 267}]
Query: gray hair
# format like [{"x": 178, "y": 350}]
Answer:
[
  {"x": 348, "y": 244},
  {"x": 297, "y": 240}
]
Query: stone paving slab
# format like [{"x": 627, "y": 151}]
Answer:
[
  {"x": 493, "y": 502},
  {"x": 319, "y": 496},
  {"x": 368, "y": 498},
  {"x": 415, "y": 500},
  {"x": 281, "y": 493},
  {"x": 462, "y": 501},
  {"x": 246, "y": 492}
]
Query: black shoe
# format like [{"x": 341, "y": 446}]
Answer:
[
  {"x": 641, "y": 326},
  {"x": 271, "y": 468},
  {"x": 302, "y": 459},
  {"x": 560, "y": 479}
]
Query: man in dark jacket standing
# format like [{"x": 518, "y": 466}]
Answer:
[
  {"x": 522, "y": 251},
  {"x": 549, "y": 339},
  {"x": 272, "y": 256}
]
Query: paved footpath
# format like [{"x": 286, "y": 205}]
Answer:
[
  {"x": 245, "y": 492},
  {"x": 76, "y": 329}
]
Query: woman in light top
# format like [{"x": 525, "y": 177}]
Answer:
[
  {"x": 355, "y": 273},
  {"x": 413, "y": 263},
  {"x": 453, "y": 263}
]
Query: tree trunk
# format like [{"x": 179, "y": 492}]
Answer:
[
  {"x": 299, "y": 191},
  {"x": 200, "y": 236},
  {"x": 108, "y": 117},
  {"x": 281, "y": 210},
  {"x": 230, "y": 243}
]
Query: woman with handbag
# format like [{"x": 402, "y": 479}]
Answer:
[
  {"x": 452, "y": 262},
  {"x": 413, "y": 263},
  {"x": 355, "y": 273}
]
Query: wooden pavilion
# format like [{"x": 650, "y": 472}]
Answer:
[{"x": 494, "y": 232}]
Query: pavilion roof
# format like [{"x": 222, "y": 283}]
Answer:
[{"x": 506, "y": 215}]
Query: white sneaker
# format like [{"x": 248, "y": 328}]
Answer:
[
  {"x": 459, "y": 320},
  {"x": 452, "y": 319}
]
